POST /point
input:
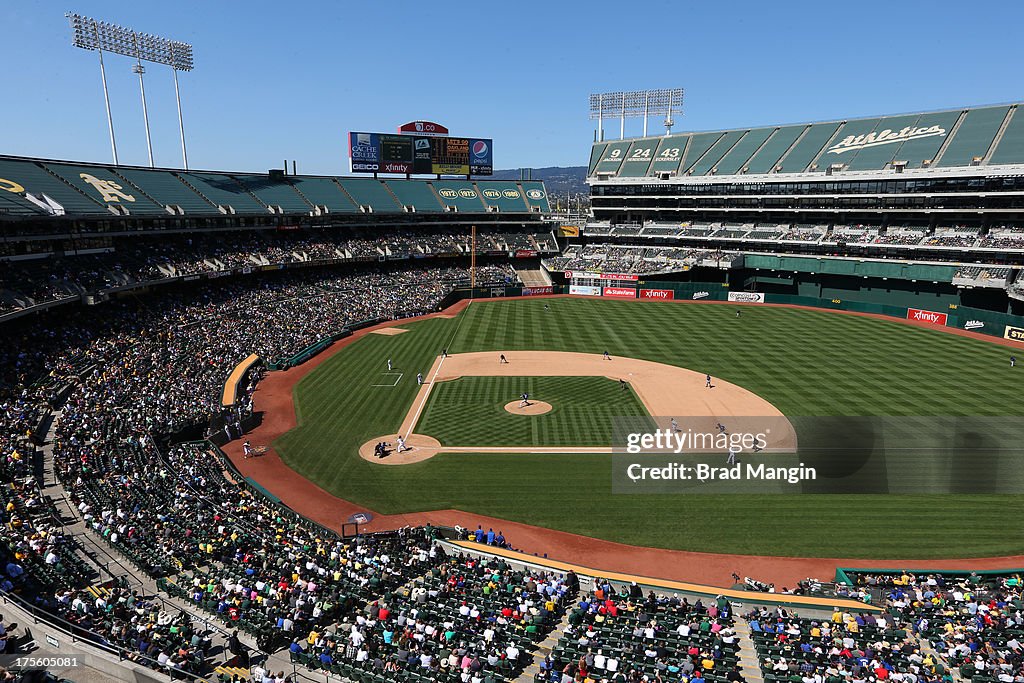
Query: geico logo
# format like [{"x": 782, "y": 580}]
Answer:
[
  {"x": 511, "y": 194},
  {"x": 447, "y": 193},
  {"x": 467, "y": 193},
  {"x": 110, "y": 190},
  {"x": 11, "y": 186},
  {"x": 492, "y": 194}
]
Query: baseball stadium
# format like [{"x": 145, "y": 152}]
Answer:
[{"x": 754, "y": 416}]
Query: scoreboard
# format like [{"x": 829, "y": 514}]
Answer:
[{"x": 419, "y": 154}]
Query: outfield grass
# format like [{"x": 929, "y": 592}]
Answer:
[
  {"x": 470, "y": 411},
  {"x": 805, "y": 362}
]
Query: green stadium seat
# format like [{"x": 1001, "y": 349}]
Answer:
[
  {"x": 461, "y": 194},
  {"x": 974, "y": 136},
  {"x": 371, "y": 193},
  {"x": 416, "y": 193}
]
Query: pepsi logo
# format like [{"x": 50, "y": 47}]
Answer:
[
  {"x": 480, "y": 149},
  {"x": 448, "y": 193}
]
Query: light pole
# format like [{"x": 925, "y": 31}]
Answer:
[
  {"x": 635, "y": 104},
  {"x": 90, "y": 34}
]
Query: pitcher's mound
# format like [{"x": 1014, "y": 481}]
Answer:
[{"x": 535, "y": 408}]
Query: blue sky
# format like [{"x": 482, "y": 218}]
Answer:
[{"x": 277, "y": 80}]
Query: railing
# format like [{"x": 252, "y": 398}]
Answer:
[{"x": 91, "y": 638}]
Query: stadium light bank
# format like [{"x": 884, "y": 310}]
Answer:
[
  {"x": 635, "y": 104},
  {"x": 90, "y": 34}
]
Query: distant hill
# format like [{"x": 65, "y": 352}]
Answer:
[{"x": 557, "y": 179}]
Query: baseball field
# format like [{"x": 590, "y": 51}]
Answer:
[{"x": 798, "y": 362}]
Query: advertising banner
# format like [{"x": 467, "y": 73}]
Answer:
[
  {"x": 1014, "y": 333},
  {"x": 525, "y": 253},
  {"x": 364, "y": 152},
  {"x": 921, "y": 315},
  {"x": 585, "y": 291},
  {"x": 620, "y": 292},
  {"x": 620, "y": 276},
  {"x": 480, "y": 159},
  {"x": 747, "y": 297},
  {"x": 658, "y": 294},
  {"x": 537, "y": 291},
  {"x": 570, "y": 274}
]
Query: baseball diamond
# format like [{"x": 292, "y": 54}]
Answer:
[
  {"x": 688, "y": 338},
  {"x": 730, "y": 399}
]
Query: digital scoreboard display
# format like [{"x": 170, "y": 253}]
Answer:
[{"x": 386, "y": 153}]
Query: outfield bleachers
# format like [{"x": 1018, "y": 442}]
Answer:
[
  {"x": 960, "y": 136},
  {"x": 974, "y": 136},
  {"x": 36, "y": 180},
  {"x": 806, "y": 150},
  {"x": 12, "y": 204},
  {"x": 1010, "y": 149},
  {"x": 536, "y": 195},
  {"x": 878, "y": 156},
  {"x": 669, "y": 154},
  {"x": 698, "y": 147},
  {"x": 915, "y": 152},
  {"x": 324, "y": 192},
  {"x": 105, "y": 187},
  {"x": 223, "y": 190},
  {"x": 706, "y": 163},
  {"x": 167, "y": 188},
  {"x": 734, "y": 159},
  {"x": 461, "y": 194},
  {"x": 765, "y": 160},
  {"x": 505, "y": 196},
  {"x": 274, "y": 193},
  {"x": 417, "y": 194},
  {"x": 371, "y": 193}
]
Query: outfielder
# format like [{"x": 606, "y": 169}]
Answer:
[
  {"x": 389, "y": 365},
  {"x": 419, "y": 379}
]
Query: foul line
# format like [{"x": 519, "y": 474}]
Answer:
[
  {"x": 430, "y": 384},
  {"x": 400, "y": 375}
]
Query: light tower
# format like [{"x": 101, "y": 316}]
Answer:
[
  {"x": 635, "y": 104},
  {"x": 90, "y": 34}
]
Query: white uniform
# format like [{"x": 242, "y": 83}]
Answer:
[{"x": 389, "y": 365}]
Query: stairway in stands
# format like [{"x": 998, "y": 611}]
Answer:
[
  {"x": 750, "y": 666},
  {"x": 533, "y": 278},
  {"x": 543, "y": 650}
]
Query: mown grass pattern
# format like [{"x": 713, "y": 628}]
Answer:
[
  {"x": 804, "y": 362},
  {"x": 470, "y": 411}
]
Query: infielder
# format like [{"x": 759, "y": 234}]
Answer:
[
  {"x": 607, "y": 356},
  {"x": 526, "y": 400},
  {"x": 674, "y": 425},
  {"x": 389, "y": 365},
  {"x": 502, "y": 360},
  {"x": 733, "y": 452},
  {"x": 707, "y": 382}
]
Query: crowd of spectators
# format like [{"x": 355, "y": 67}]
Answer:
[
  {"x": 975, "y": 621},
  {"x": 624, "y": 635},
  {"x": 128, "y": 261}
]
